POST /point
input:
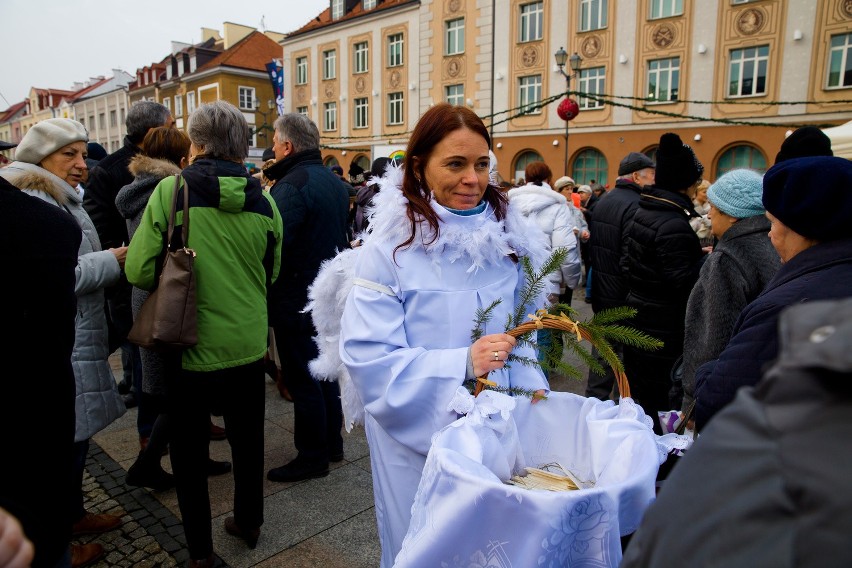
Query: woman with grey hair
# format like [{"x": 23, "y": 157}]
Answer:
[{"x": 236, "y": 234}]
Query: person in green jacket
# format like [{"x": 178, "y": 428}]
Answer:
[{"x": 235, "y": 231}]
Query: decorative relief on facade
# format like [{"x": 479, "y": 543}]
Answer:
[
  {"x": 846, "y": 8},
  {"x": 454, "y": 5},
  {"x": 591, "y": 46},
  {"x": 360, "y": 84},
  {"x": 300, "y": 95},
  {"x": 529, "y": 56},
  {"x": 329, "y": 90},
  {"x": 395, "y": 79},
  {"x": 453, "y": 67},
  {"x": 751, "y": 21},
  {"x": 663, "y": 36}
]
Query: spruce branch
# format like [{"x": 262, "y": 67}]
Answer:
[{"x": 482, "y": 317}]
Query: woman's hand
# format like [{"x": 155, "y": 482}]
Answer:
[
  {"x": 120, "y": 254},
  {"x": 490, "y": 352},
  {"x": 16, "y": 551}
]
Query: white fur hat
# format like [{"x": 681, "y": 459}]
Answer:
[{"x": 48, "y": 136}]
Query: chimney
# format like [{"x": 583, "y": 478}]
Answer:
[
  {"x": 207, "y": 33},
  {"x": 234, "y": 33}
]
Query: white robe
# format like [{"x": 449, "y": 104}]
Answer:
[{"x": 406, "y": 331}]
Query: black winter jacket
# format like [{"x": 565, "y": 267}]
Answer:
[
  {"x": 314, "y": 206},
  {"x": 822, "y": 272},
  {"x": 608, "y": 241},
  {"x": 664, "y": 258},
  {"x": 105, "y": 181},
  {"x": 767, "y": 484}
]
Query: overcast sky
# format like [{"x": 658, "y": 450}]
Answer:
[{"x": 53, "y": 43}]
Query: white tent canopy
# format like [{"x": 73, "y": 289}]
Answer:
[{"x": 841, "y": 140}]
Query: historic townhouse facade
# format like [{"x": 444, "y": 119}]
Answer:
[
  {"x": 102, "y": 110},
  {"x": 647, "y": 66}
]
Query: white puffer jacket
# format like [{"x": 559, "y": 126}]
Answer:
[{"x": 549, "y": 210}]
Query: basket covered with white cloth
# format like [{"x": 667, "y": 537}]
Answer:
[{"x": 465, "y": 514}]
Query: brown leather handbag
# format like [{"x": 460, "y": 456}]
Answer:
[{"x": 167, "y": 320}]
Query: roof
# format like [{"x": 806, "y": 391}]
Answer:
[
  {"x": 357, "y": 11},
  {"x": 12, "y": 110},
  {"x": 252, "y": 52}
]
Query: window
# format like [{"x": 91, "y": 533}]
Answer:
[
  {"x": 523, "y": 160},
  {"x": 532, "y": 20},
  {"x": 369, "y": 4},
  {"x": 592, "y": 81},
  {"x": 663, "y": 79},
  {"x": 592, "y": 15},
  {"x": 666, "y": 8},
  {"x": 742, "y": 156},
  {"x": 336, "y": 9},
  {"x": 454, "y": 94},
  {"x": 102, "y": 120},
  {"x": 329, "y": 64},
  {"x": 301, "y": 70},
  {"x": 395, "y": 58},
  {"x": 748, "y": 71},
  {"x": 840, "y": 61},
  {"x": 167, "y": 102},
  {"x": 178, "y": 106},
  {"x": 245, "y": 95},
  {"x": 113, "y": 118},
  {"x": 454, "y": 37},
  {"x": 83, "y": 121},
  {"x": 92, "y": 121},
  {"x": 361, "y": 56},
  {"x": 529, "y": 94},
  {"x": 302, "y": 110},
  {"x": 329, "y": 118},
  {"x": 190, "y": 102},
  {"x": 395, "y": 108},
  {"x": 362, "y": 112},
  {"x": 590, "y": 165}
]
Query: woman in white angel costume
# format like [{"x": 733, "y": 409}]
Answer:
[{"x": 443, "y": 243}]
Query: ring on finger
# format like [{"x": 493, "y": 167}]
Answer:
[{"x": 496, "y": 355}]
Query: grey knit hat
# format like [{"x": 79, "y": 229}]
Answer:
[
  {"x": 738, "y": 193},
  {"x": 48, "y": 136}
]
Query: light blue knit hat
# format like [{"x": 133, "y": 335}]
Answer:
[{"x": 738, "y": 193}]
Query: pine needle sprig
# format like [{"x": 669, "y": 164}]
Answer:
[
  {"x": 481, "y": 318},
  {"x": 535, "y": 282},
  {"x": 611, "y": 315}
]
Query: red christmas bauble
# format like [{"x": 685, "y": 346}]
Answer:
[{"x": 568, "y": 109}]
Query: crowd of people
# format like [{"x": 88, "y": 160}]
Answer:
[{"x": 710, "y": 267}]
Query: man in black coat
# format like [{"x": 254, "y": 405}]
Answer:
[
  {"x": 105, "y": 181},
  {"x": 40, "y": 244},
  {"x": 314, "y": 206},
  {"x": 664, "y": 259},
  {"x": 608, "y": 249}
]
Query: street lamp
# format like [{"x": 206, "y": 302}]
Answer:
[
  {"x": 574, "y": 61},
  {"x": 260, "y": 130}
]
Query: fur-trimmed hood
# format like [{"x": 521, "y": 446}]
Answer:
[
  {"x": 32, "y": 178},
  {"x": 531, "y": 198},
  {"x": 482, "y": 238},
  {"x": 133, "y": 197}
]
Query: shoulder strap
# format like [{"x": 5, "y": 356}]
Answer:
[{"x": 172, "y": 214}]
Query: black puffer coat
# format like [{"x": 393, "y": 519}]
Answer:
[
  {"x": 608, "y": 243},
  {"x": 664, "y": 259}
]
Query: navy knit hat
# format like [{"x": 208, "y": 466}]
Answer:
[
  {"x": 805, "y": 141},
  {"x": 811, "y": 196},
  {"x": 677, "y": 166},
  {"x": 738, "y": 193}
]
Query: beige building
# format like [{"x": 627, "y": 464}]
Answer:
[
  {"x": 102, "y": 109},
  {"x": 229, "y": 66},
  {"x": 731, "y": 77}
]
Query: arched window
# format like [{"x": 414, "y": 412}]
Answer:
[
  {"x": 741, "y": 156},
  {"x": 652, "y": 152},
  {"x": 363, "y": 162},
  {"x": 330, "y": 161},
  {"x": 589, "y": 165},
  {"x": 523, "y": 159}
]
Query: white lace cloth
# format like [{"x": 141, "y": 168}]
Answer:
[{"x": 464, "y": 515}]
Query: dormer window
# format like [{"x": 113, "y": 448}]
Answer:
[
  {"x": 370, "y": 4},
  {"x": 336, "y": 9}
]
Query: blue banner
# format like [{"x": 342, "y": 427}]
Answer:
[{"x": 276, "y": 75}]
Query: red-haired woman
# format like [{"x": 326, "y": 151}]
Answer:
[{"x": 443, "y": 243}]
